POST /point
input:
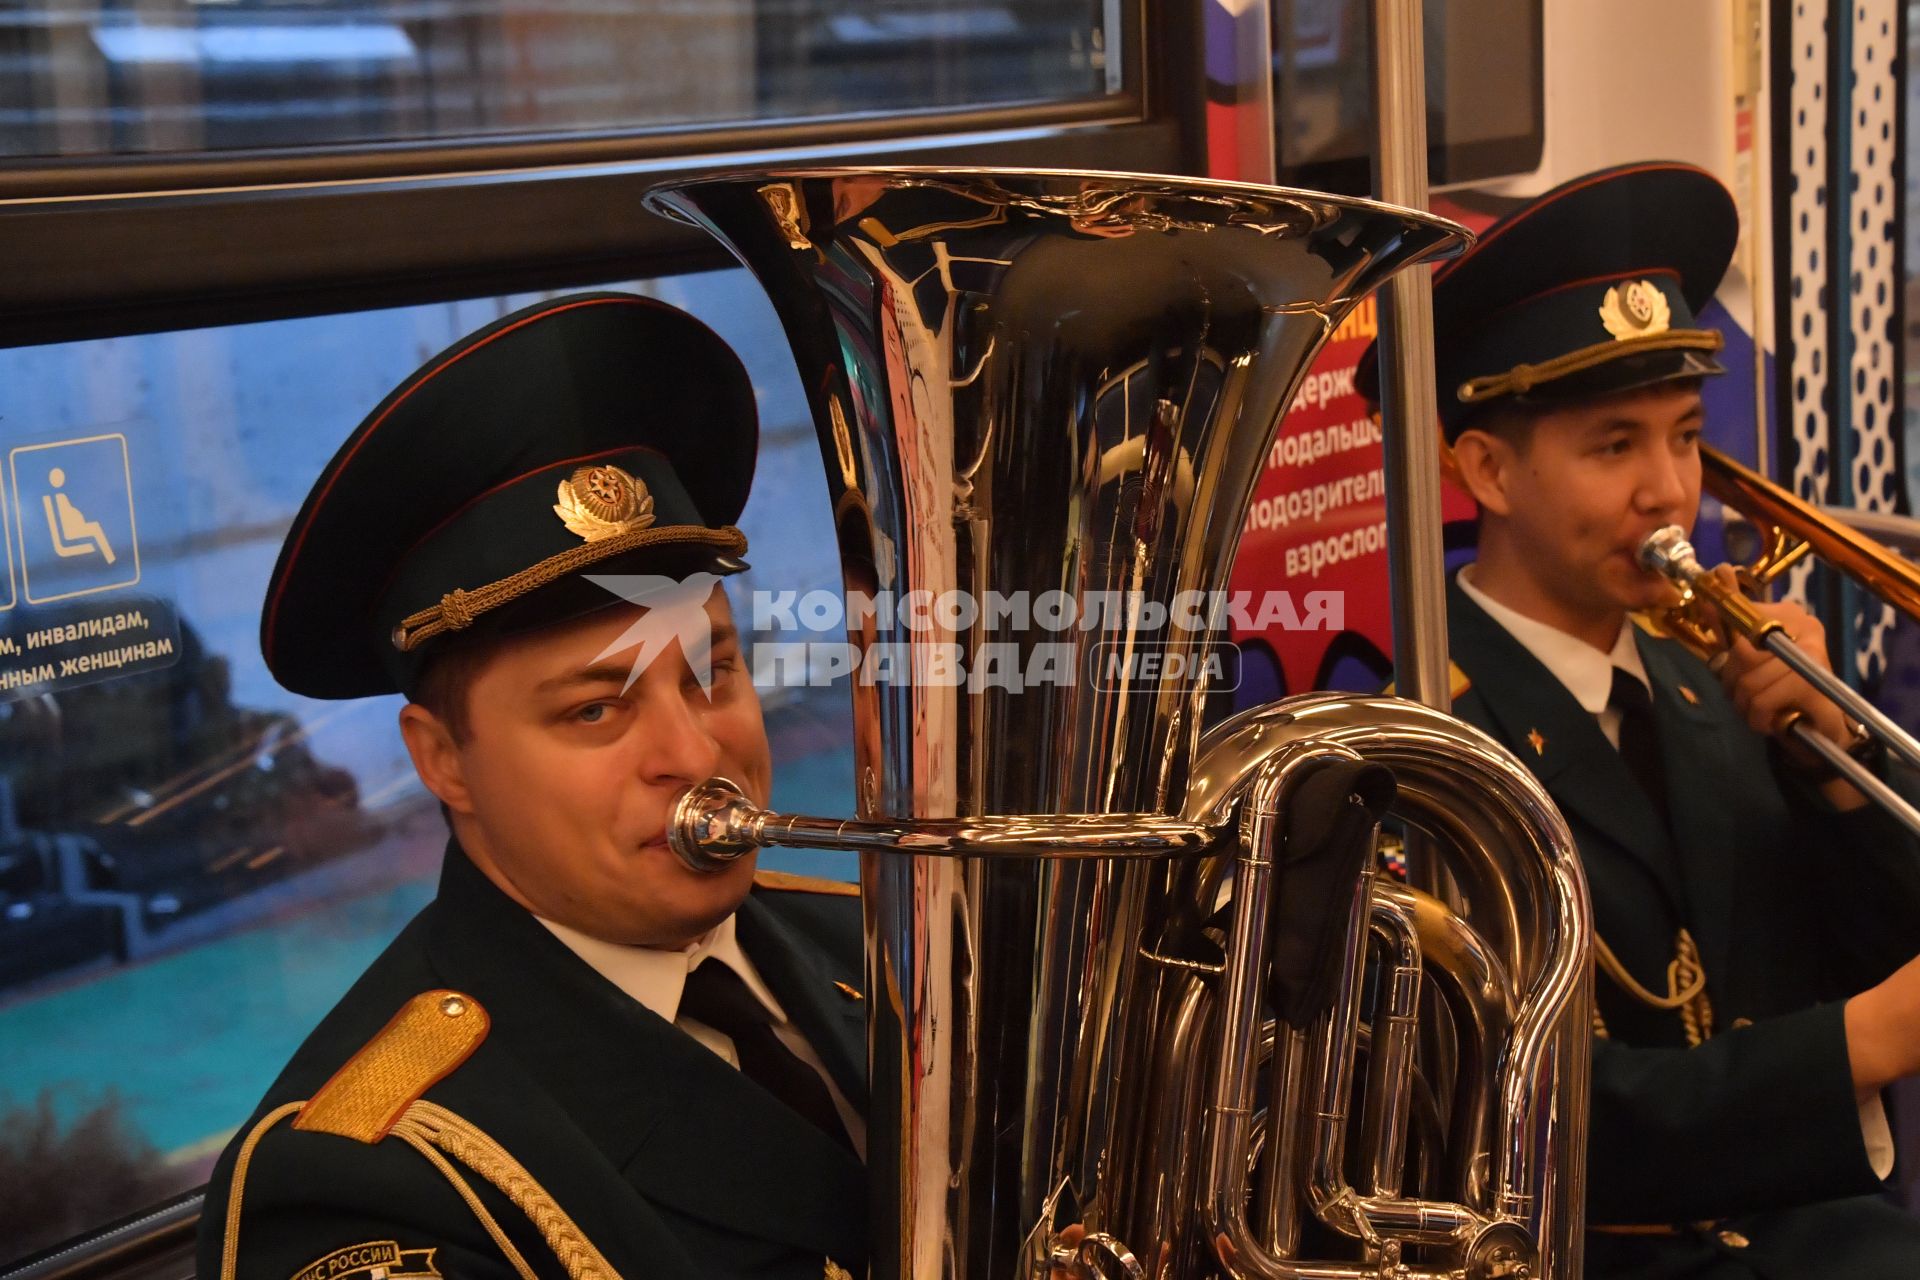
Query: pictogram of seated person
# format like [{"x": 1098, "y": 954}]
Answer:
[{"x": 72, "y": 533}]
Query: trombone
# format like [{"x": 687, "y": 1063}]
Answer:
[{"x": 1789, "y": 529}]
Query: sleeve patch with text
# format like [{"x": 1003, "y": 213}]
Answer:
[{"x": 372, "y": 1260}]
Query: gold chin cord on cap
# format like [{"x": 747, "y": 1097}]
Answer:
[
  {"x": 1523, "y": 378},
  {"x": 458, "y": 609}
]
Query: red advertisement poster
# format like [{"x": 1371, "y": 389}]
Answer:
[{"x": 1318, "y": 525}]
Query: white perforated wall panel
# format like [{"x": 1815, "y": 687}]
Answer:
[
  {"x": 1807, "y": 233},
  {"x": 1873, "y": 201}
]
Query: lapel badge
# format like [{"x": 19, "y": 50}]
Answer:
[
  {"x": 1693, "y": 699},
  {"x": 851, "y": 993},
  {"x": 1538, "y": 740},
  {"x": 1635, "y": 309},
  {"x": 600, "y": 502}
]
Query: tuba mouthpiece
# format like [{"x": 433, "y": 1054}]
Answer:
[{"x": 711, "y": 825}]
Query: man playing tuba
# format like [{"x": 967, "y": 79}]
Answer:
[
  {"x": 582, "y": 1058},
  {"x": 1757, "y": 918}
]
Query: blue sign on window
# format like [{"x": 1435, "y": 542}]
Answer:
[{"x": 73, "y": 504}]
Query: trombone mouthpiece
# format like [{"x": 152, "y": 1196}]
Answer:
[{"x": 1668, "y": 553}]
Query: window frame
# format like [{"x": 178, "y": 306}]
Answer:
[
  {"x": 157, "y": 1241},
  {"x": 1449, "y": 164},
  {"x": 111, "y": 247},
  {"x": 108, "y": 247}
]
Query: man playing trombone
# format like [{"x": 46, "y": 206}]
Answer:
[{"x": 1757, "y": 917}]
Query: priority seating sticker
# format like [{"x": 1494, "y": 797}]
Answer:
[
  {"x": 73, "y": 509},
  {"x": 78, "y": 607}
]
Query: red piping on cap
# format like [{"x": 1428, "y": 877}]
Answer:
[
  {"x": 273, "y": 605},
  {"x": 1592, "y": 180},
  {"x": 1638, "y": 273},
  {"x": 477, "y": 499}
]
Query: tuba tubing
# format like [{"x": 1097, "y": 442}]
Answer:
[
  {"x": 1513, "y": 846},
  {"x": 1510, "y": 844},
  {"x": 1053, "y": 386}
]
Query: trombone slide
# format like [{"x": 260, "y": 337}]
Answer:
[{"x": 1668, "y": 553}]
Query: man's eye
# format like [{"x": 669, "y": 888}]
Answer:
[{"x": 593, "y": 713}]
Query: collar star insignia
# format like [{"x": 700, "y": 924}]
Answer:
[
  {"x": 1538, "y": 741},
  {"x": 1692, "y": 698},
  {"x": 602, "y": 502}
]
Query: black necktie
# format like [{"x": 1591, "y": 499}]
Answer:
[
  {"x": 1639, "y": 741},
  {"x": 717, "y": 996}
]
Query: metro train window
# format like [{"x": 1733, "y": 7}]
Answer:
[
  {"x": 1486, "y": 110},
  {"x": 194, "y": 863},
  {"x": 95, "y": 78}
]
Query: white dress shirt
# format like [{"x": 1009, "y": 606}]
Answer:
[
  {"x": 658, "y": 978},
  {"x": 1588, "y": 675},
  {"x": 1584, "y": 670}
]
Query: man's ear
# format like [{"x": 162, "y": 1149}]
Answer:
[
  {"x": 436, "y": 757},
  {"x": 1485, "y": 463}
]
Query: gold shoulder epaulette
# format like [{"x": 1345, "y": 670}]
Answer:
[
  {"x": 432, "y": 1034},
  {"x": 783, "y": 882},
  {"x": 1458, "y": 681},
  {"x": 378, "y": 1093}
]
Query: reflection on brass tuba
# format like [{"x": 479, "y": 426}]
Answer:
[{"x": 1144, "y": 1004}]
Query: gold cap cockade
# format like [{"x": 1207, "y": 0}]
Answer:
[
  {"x": 603, "y": 501},
  {"x": 1635, "y": 309}
]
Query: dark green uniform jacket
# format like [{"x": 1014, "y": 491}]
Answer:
[
  {"x": 1793, "y": 906},
  {"x": 673, "y": 1164}
]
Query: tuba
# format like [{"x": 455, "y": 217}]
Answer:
[{"x": 1143, "y": 1003}]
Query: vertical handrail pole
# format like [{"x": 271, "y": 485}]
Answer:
[
  {"x": 1408, "y": 410},
  {"x": 1253, "y": 88}
]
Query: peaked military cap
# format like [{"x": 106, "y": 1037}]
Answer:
[
  {"x": 1591, "y": 289},
  {"x": 595, "y": 433}
]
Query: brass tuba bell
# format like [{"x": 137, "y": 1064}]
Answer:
[{"x": 1046, "y": 397}]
